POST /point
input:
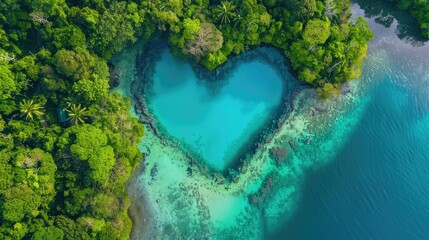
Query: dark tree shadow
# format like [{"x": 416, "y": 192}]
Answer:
[{"x": 384, "y": 12}]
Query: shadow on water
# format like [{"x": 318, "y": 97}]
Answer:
[{"x": 385, "y": 12}]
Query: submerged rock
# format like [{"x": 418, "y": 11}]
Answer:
[
  {"x": 268, "y": 138},
  {"x": 189, "y": 171},
  {"x": 243, "y": 168},
  {"x": 293, "y": 144},
  {"x": 154, "y": 171},
  {"x": 262, "y": 194},
  {"x": 279, "y": 154},
  {"x": 115, "y": 74},
  {"x": 235, "y": 179}
]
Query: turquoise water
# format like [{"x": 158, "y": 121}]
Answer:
[
  {"x": 214, "y": 124},
  {"x": 363, "y": 175},
  {"x": 377, "y": 185}
]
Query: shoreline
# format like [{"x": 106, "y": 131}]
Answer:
[
  {"x": 164, "y": 159},
  {"x": 327, "y": 123},
  {"x": 145, "y": 62},
  {"x": 209, "y": 186},
  {"x": 139, "y": 211}
]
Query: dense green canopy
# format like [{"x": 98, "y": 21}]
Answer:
[{"x": 65, "y": 181}]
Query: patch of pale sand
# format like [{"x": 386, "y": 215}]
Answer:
[{"x": 224, "y": 208}]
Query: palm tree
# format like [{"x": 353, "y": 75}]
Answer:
[
  {"x": 225, "y": 11},
  {"x": 249, "y": 26},
  {"x": 77, "y": 113},
  {"x": 237, "y": 19},
  {"x": 29, "y": 109}
]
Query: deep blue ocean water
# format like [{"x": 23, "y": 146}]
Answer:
[{"x": 377, "y": 187}]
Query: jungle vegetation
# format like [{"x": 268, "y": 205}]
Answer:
[
  {"x": 64, "y": 177},
  {"x": 68, "y": 143}
]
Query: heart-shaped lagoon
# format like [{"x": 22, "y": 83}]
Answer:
[{"x": 216, "y": 119}]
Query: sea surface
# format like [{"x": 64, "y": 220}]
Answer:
[{"x": 377, "y": 185}]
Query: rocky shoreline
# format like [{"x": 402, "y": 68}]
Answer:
[
  {"x": 140, "y": 89},
  {"x": 140, "y": 210},
  {"x": 161, "y": 179}
]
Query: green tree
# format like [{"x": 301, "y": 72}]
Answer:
[
  {"x": 20, "y": 201},
  {"x": 214, "y": 59},
  {"x": 104, "y": 206},
  {"x": 316, "y": 31},
  {"x": 114, "y": 29},
  {"x": 77, "y": 114},
  {"x": 92, "y": 89},
  {"x": 6, "y": 173},
  {"x": 303, "y": 9},
  {"x": 238, "y": 19},
  {"x": 7, "y": 83},
  {"x": 224, "y": 12},
  {"x": 327, "y": 91},
  {"x": 91, "y": 146},
  {"x": 68, "y": 37},
  {"x": 30, "y": 109},
  {"x": 76, "y": 64},
  {"x": 70, "y": 228},
  {"x": 50, "y": 232},
  {"x": 94, "y": 224},
  {"x": 190, "y": 28}
]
